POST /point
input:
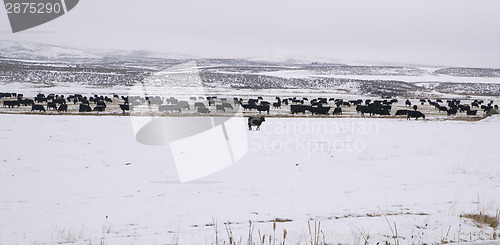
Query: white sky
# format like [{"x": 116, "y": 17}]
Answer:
[{"x": 433, "y": 32}]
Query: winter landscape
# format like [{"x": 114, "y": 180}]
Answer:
[{"x": 339, "y": 159}]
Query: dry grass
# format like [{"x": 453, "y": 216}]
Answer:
[{"x": 482, "y": 219}]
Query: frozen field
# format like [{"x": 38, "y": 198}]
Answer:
[{"x": 86, "y": 180}]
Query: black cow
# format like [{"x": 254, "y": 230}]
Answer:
[
  {"x": 51, "y": 105},
  {"x": 337, "y": 111},
  {"x": 10, "y": 103},
  {"x": 101, "y": 104},
  {"x": 442, "y": 108},
  {"x": 249, "y": 106},
  {"x": 84, "y": 108},
  {"x": 37, "y": 108},
  {"x": 203, "y": 110},
  {"x": 99, "y": 108},
  {"x": 26, "y": 102},
  {"x": 381, "y": 111},
  {"x": 199, "y": 105},
  {"x": 255, "y": 121},
  {"x": 170, "y": 108},
  {"x": 126, "y": 108},
  {"x": 401, "y": 112},
  {"x": 262, "y": 108},
  {"x": 464, "y": 108},
  {"x": 298, "y": 108},
  {"x": 320, "y": 110},
  {"x": 415, "y": 114},
  {"x": 220, "y": 108},
  {"x": 452, "y": 111},
  {"x": 227, "y": 106},
  {"x": 183, "y": 105},
  {"x": 408, "y": 103},
  {"x": 63, "y": 107},
  {"x": 472, "y": 112}
]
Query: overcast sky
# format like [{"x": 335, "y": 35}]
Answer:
[{"x": 449, "y": 33}]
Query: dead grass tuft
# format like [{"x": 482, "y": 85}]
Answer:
[{"x": 482, "y": 219}]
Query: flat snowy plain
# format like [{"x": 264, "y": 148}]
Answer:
[{"x": 86, "y": 180}]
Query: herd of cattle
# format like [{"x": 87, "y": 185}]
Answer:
[{"x": 213, "y": 104}]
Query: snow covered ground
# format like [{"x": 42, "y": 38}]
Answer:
[
  {"x": 86, "y": 180},
  {"x": 427, "y": 77}
]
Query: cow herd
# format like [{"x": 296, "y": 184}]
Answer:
[{"x": 320, "y": 106}]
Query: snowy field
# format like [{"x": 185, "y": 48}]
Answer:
[{"x": 86, "y": 180}]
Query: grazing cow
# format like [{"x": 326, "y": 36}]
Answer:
[
  {"x": 126, "y": 108},
  {"x": 211, "y": 102},
  {"x": 203, "y": 110},
  {"x": 320, "y": 110},
  {"x": 415, "y": 114},
  {"x": 172, "y": 101},
  {"x": 265, "y": 103},
  {"x": 84, "y": 108},
  {"x": 262, "y": 108},
  {"x": 10, "y": 103},
  {"x": 170, "y": 108},
  {"x": 99, "y": 108},
  {"x": 183, "y": 105},
  {"x": 401, "y": 112},
  {"x": 381, "y": 111},
  {"x": 298, "y": 108},
  {"x": 220, "y": 108},
  {"x": 26, "y": 102},
  {"x": 192, "y": 98},
  {"x": 199, "y": 105},
  {"x": 452, "y": 111},
  {"x": 59, "y": 101},
  {"x": 464, "y": 108},
  {"x": 255, "y": 121},
  {"x": 37, "y": 108},
  {"x": 442, "y": 108},
  {"x": 408, "y": 102},
  {"x": 253, "y": 101},
  {"x": 101, "y": 104},
  {"x": 249, "y": 106},
  {"x": 227, "y": 106},
  {"x": 40, "y": 99},
  {"x": 366, "y": 109},
  {"x": 337, "y": 111},
  {"x": 277, "y": 105},
  {"x": 51, "y": 105},
  {"x": 63, "y": 107},
  {"x": 472, "y": 112},
  {"x": 5, "y": 95}
]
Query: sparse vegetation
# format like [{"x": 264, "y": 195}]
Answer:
[{"x": 483, "y": 219}]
